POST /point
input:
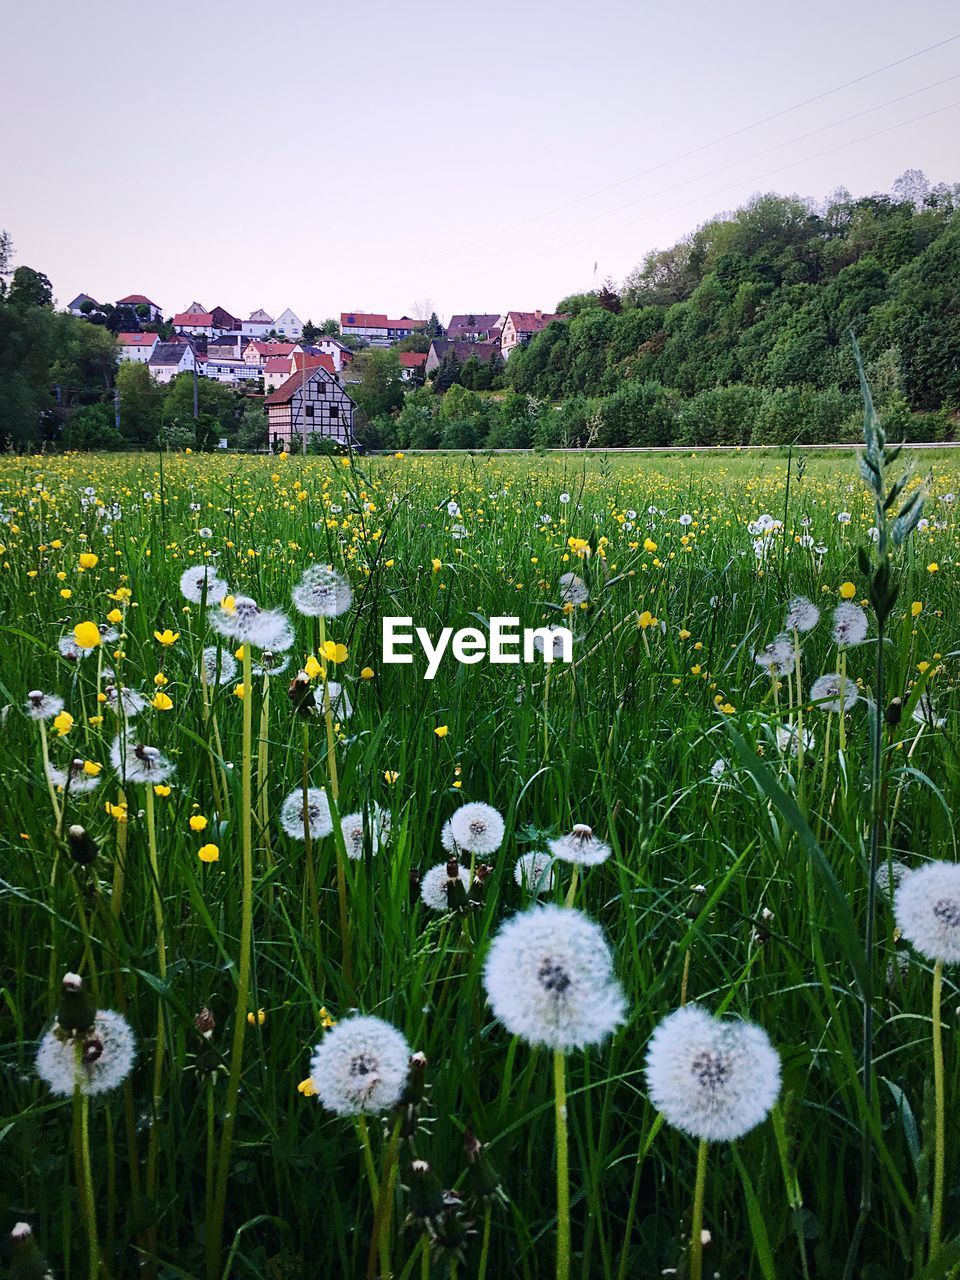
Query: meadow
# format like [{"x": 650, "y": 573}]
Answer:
[{"x": 747, "y": 840}]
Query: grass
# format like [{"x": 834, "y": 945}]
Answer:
[{"x": 749, "y": 894}]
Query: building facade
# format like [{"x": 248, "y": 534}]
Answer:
[{"x": 308, "y": 404}]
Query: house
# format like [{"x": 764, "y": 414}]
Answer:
[
  {"x": 462, "y": 349},
  {"x": 226, "y": 346},
  {"x": 199, "y": 324},
  {"x": 474, "y": 328},
  {"x": 309, "y": 403},
  {"x": 224, "y": 369},
  {"x": 138, "y": 347},
  {"x": 411, "y": 363},
  {"x": 377, "y": 328},
  {"x": 341, "y": 353},
  {"x": 259, "y": 324},
  {"x": 278, "y": 368},
  {"x": 289, "y": 325},
  {"x": 258, "y": 353},
  {"x": 520, "y": 326},
  {"x": 135, "y": 300},
  {"x": 171, "y": 358},
  {"x": 224, "y": 322},
  {"x": 76, "y": 307}
]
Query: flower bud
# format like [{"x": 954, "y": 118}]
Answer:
[
  {"x": 483, "y": 1180},
  {"x": 414, "y": 889},
  {"x": 205, "y": 1022},
  {"x": 456, "y": 894},
  {"x": 894, "y": 712},
  {"x": 301, "y": 695},
  {"x": 76, "y": 1012},
  {"x": 425, "y": 1195},
  {"x": 83, "y": 847},
  {"x": 26, "y": 1262}
]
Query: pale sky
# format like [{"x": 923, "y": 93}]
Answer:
[{"x": 332, "y": 157}]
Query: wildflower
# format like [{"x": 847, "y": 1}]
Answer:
[
  {"x": 557, "y": 643},
  {"x": 77, "y": 778},
  {"x": 437, "y": 564},
  {"x": 63, "y": 722},
  {"x": 802, "y": 615},
  {"x": 788, "y": 740},
  {"x": 244, "y": 621},
  {"x": 166, "y": 637},
  {"x": 270, "y": 664},
  {"x": 710, "y": 1078},
  {"x": 88, "y": 560},
  {"x": 340, "y": 704},
  {"x": 125, "y": 702},
  {"x": 718, "y": 769},
  {"x": 83, "y": 847},
  {"x": 200, "y": 582},
  {"x": 87, "y": 635},
  {"x": 477, "y": 828},
  {"x": 441, "y": 730},
  {"x": 197, "y": 822},
  {"x": 549, "y": 978},
  {"x": 322, "y": 593},
  {"x": 580, "y": 846},
  {"x": 332, "y": 652},
  {"x": 136, "y": 762},
  {"x": 847, "y": 590},
  {"x": 890, "y": 874},
  {"x": 306, "y": 1088},
  {"x": 434, "y": 887},
  {"x": 923, "y": 713},
  {"x": 355, "y": 831},
  {"x": 93, "y": 1055},
  {"x": 849, "y": 625},
  {"x": 257, "y": 1019},
  {"x": 161, "y": 789},
  {"x": 833, "y": 692},
  {"x": 208, "y": 853},
  {"x": 366, "y": 673},
  {"x": 360, "y": 1065},
  {"x": 161, "y": 701},
  {"x": 43, "y": 706},
  {"x": 316, "y": 812},
  {"x": 535, "y": 872},
  {"x": 933, "y": 567},
  {"x": 390, "y": 776},
  {"x": 927, "y": 910},
  {"x": 573, "y": 589},
  {"x": 218, "y": 666},
  {"x": 778, "y": 657}
]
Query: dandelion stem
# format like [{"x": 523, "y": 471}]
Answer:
[
  {"x": 81, "y": 1109},
  {"x": 696, "y": 1224},
  {"x": 936, "y": 1212},
  {"x": 563, "y": 1165},
  {"x": 153, "y": 1138},
  {"x": 51, "y": 790},
  {"x": 368, "y": 1163},
  {"x": 215, "y": 1238},
  {"x": 546, "y": 709},
  {"x": 572, "y": 891},
  {"x": 799, "y": 703},
  {"x": 485, "y": 1245}
]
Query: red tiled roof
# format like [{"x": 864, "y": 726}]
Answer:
[
  {"x": 278, "y": 364},
  {"x": 135, "y": 300},
  {"x": 305, "y": 359},
  {"x": 362, "y": 320},
  {"x": 413, "y": 359},
  {"x": 406, "y": 323},
  {"x": 136, "y": 339},
  {"x": 530, "y": 322},
  {"x": 287, "y": 390},
  {"x": 271, "y": 348},
  {"x": 195, "y": 318}
]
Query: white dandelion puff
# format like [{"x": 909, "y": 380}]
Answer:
[
  {"x": 43, "y": 706},
  {"x": 535, "y": 872},
  {"x": 788, "y": 740},
  {"x": 890, "y": 874},
  {"x": 778, "y": 657},
  {"x": 360, "y": 1065},
  {"x": 710, "y": 1078},
  {"x": 317, "y": 812},
  {"x": 477, "y": 828},
  {"x": 219, "y": 666},
  {"x": 124, "y": 702},
  {"x": 849, "y": 624},
  {"x": 581, "y": 846},
  {"x": 446, "y": 838},
  {"x": 75, "y": 779},
  {"x": 924, "y": 714},
  {"x": 322, "y": 593},
  {"x": 247, "y": 623},
  {"x": 358, "y": 829},
  {"x": 93, "y": 1061},
  {"x": 927, "y": 910},
  {"x": 573, "y": 589},
  {"x": 70, "y": 650},
  {"x": 833, "y": 692},
  {"x": 270, "y": 664},
  {"x": 137, "y": 762},
  {"x": 549, "y": 978},
  {"x": 802, "y": 615},
  {"x": 556, "y": 643},
  {"x": 433, "y": 886},
  {"x": 200, "y": 582},
  {"x": 341, "y": 706}
]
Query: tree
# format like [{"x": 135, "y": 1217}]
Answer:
[
  {"x": 310, "y": 333},
  {"x": 434, "y": 328},
  {"x": 141, "y": 402},
  {"x": 381, "y": 382},
  {"x": 29, "y": 288},
  {"x": 447, "y": 372},
  {"x": 415, "y": 342},
  {"x": 330, "y": 328}
]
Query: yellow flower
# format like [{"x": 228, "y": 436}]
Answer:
[
  {"x": 161, "y": 789},
  {"x": 258, "y": 1018},
  {"x": 579, "y": 546},
  {"x": 88, "y": 560},
  {"x": 66, "y": 593},
  {"x": 366, "y": 673},
  {"x": 325, "y": 1020},
  {"x": 116, "y": 811},
  {"x": 923, "y": 666},
  {"x": 847, "y": 590},
  {"x": 312, "y": 667},
  {"x": 684, "y": 634},
  {"x": 91, "y": 768},
  {"x": 437, "y": 565},
  {"x": 197, "y": 822},
  {"x": 238, "y": 691},
  {"x": 161, "y": 701},
  {"x": 305, "y": 1086},
  {"x": 933, "y": 567},
  {"x": 228, "y": 604},
  {"x": 167, "y": 637},
  {"x": 646, "y": 619},
  {"x": 333, "y": 652},
  {"x": 160, "y": 680},
  {"x": 649, "y": 545},
  {"x": 441, "y": 730},
  {"x": 87, "y": 635},
  {"x": 114, "y": 616},
  {"x": 208, "y": 853},
  {"x": 63, "y": 723},
  {"x": 916, "y": 609},
  {"x": 391, "y": 775}
]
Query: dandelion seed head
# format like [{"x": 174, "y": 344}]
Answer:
[
  {"x": 201, "y": 582},
  {"x": 137, "y": 762},
  {"x": 711, "y": 1078},
  {"x": 549, "y": 978},
  {"x": 433, "y": 886},
  {"x": 535, "y": 872},
  {"x": 124, "y": 702},
  {"x": 927, "y": 910},
  {"x": 357, "y": 828},
  {"x": 477, "y": 828},
  {"x": 317, "y": 813},
  {"x": 43, "y": 706},
  {"x": 788, "y": 739},
  {"x": 580, "y": 845},
  {"x": 75, "y": 778},
  {"x": 802, "y": 614},
  {"x": 831, "y": 692},
  {"x": 849, "y": 624},
  {"x": 94, "y": 1061},
  {"x": 573, "y": 589},
  {"x": 322, "y": 593},
  {"x": 219, "y": 666},
  {"x": 778, "y": 657},
  {"x": 360, "y": 1065}
]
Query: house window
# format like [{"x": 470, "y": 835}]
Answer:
[
  {"x": 335, "y": 413},
  {"x": 309, "y": 410}
]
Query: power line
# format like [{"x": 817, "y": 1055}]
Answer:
[
  {"x": 713, "y": 142},
  {"x": 878, "y": 133}
]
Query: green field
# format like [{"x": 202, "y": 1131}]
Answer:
[{"x": 742, "y": 885}]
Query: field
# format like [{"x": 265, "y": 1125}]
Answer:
[{"x": 738, "y": 878}]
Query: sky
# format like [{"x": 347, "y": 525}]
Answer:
[{"x": 472, "y": 158}]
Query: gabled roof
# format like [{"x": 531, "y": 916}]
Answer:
[
  {"x": 260, "y": 317},
  {"x": 463, "y": 349},
  {"x": 287, "y": 390},
  {"x": 530, "y": 322},
  {"x": 415, "y": 359},
  {"x": 270, "y": 348},
  {"x": 137, "y": 339},
  {"x": 168, "y": 353},
  {"x": 459, "y": 326},
  {"x": 80, "y": 298},
  {"x": 362, "y": 320},
  {"x": 197, "y": 319},
  {"x": 406, "y": 323},
  {"x": 311, "y": 360},
  {"x": 135, "y": 300},
  {"x": 278, "y": 364}
]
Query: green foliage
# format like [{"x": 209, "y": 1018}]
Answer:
[{"x": 380, "y": 389}]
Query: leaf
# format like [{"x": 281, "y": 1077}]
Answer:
[
  {"x": 758, "y": 1227},
  {"x": 907, "y": 1120}
]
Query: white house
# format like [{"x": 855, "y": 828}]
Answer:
[
  {"x": 310, "y": 403},
  {"x": 378, "y": 329},
  {"x": 520, "y": 326},
  {"x": 258, "y": 353},
  {"x": 137, "y": 347},
  {"x": 135, "y": 300},
  {"x": 223, "y": 369},
  {"x": 171, "y": 358},
  {"x": 289, "y": 325},
  {"x": 199, "y": 324},
  {"x": 339, "y": 351},
  {"x": 259, "y": 324}
]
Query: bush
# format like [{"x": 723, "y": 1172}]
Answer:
[
  {"x": 723, "y": 415},
  {"x": 92, "y": 426},
  {"x": 638, "y": 414}
]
